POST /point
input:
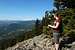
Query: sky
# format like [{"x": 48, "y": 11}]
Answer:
[{"x": 24, "y": 9}]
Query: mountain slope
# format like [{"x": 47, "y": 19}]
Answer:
[{"x": 41, "y": 42}]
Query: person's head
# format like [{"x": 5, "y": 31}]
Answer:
[{"x": 56, "y": 16}]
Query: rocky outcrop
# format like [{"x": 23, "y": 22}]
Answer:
[{"x": 41, "y": 42}]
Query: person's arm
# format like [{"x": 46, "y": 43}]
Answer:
[{"x": 57, "y": 24}]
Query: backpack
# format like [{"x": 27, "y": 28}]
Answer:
[{"x": 62, "y": 27}]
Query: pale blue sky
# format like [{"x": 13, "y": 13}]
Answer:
[{"x": 24, "y": 9}]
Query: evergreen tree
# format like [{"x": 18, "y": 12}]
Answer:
[
  {"x": 64, "y": 3},
  {"x": 37, "y": 27},
  {"x": 68, "y": 16}
]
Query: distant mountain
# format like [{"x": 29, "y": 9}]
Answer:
[{"x": 9, "y": 28}]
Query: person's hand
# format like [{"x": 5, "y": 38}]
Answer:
[
  {"x": 49, "y": 25},
  {"x": 49, "y": 18},
  {"x": 53, "y": 14}
]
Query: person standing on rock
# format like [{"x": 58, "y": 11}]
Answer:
[{"x": 56, "y": 30}]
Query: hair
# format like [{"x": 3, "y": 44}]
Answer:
[{"x": 57, "y": 14}]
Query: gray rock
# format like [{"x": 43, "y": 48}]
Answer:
[{"x": 40, "y": 42}]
